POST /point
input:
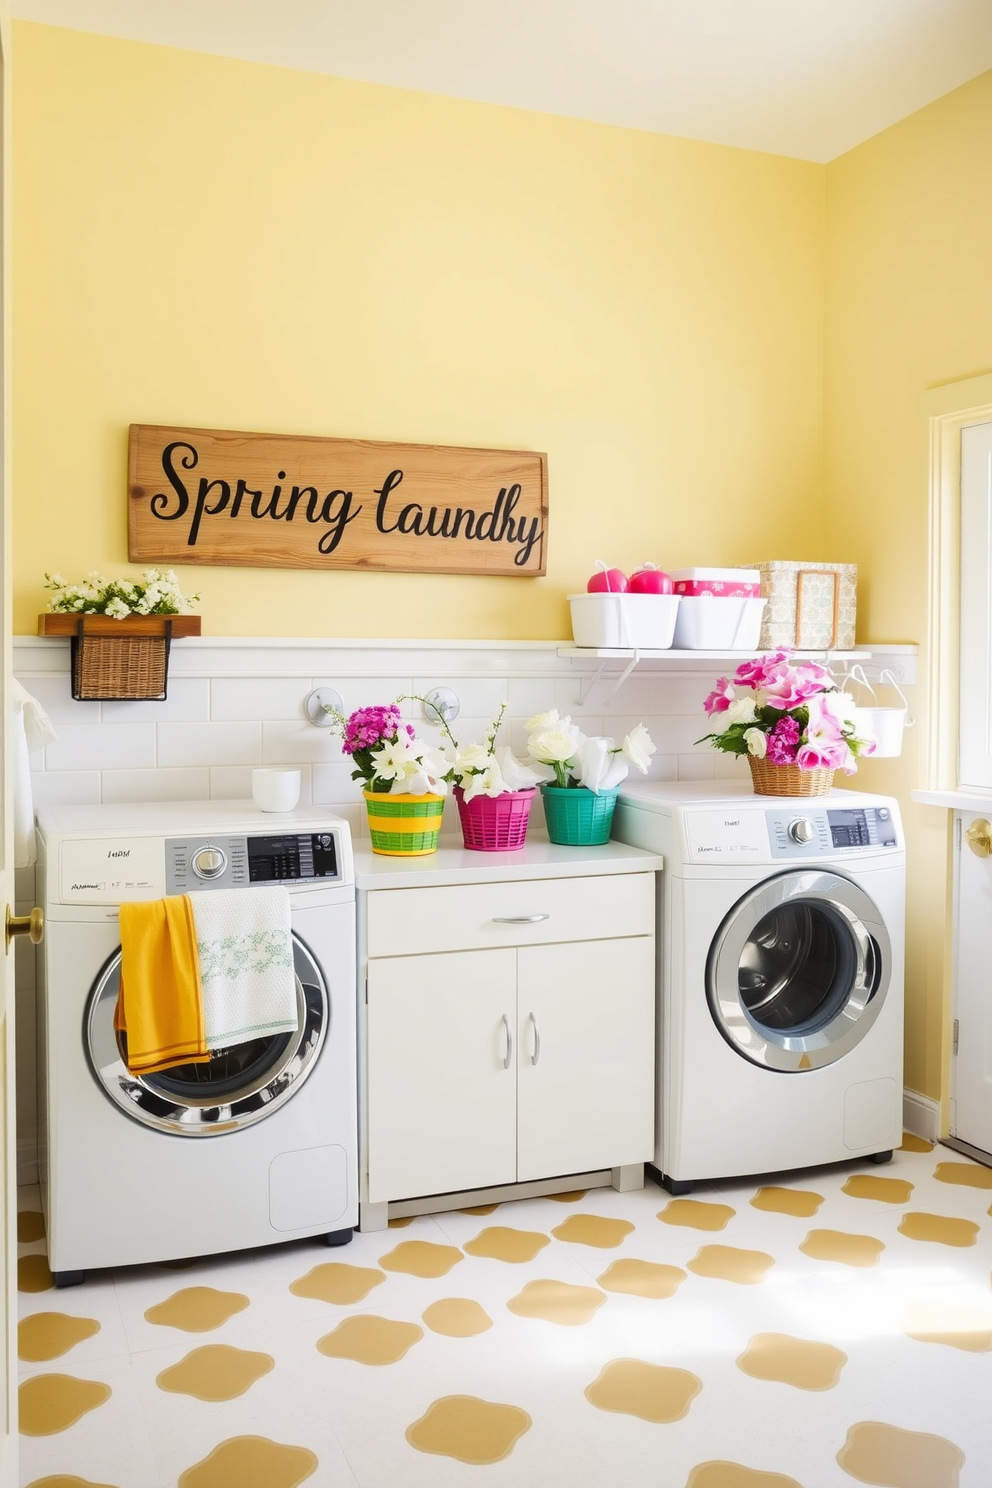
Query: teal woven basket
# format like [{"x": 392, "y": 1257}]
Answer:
[{"x": 578, "y": 817}]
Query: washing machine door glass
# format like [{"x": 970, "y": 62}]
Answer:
[
  {"x": 798, "y": 971},
  {"x": 236, "y": 1087}
]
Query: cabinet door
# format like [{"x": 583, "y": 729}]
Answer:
[
  {"x": 441, "y": 1105},
  {"x": 585, "y": 1074}
]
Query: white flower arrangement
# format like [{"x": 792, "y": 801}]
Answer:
[
  {"x": 571, "y": 759},
  {"x": 483, "y": 769},
  {"x": 154, "y": 593}
]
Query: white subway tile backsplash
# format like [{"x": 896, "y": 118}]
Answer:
[
  {"x": 236, "y": 704},
  {"x": 238, "y": 699},
  {"x": 663, "y": 767},
  {"x": 333, "y": 783},
  {"x": 156, "y": 785},
  {"x": 371, "y": 692},
  {"x": 54, "y": 694},
  {"x": 187, "y": 701},
  {"x": 230, "y": 782},
  {"x": 730, "y": 766},
  {"x": 297, "y": 743},
  {"x": 85, "y": 746},
  {"x": 682, "y": 733},
  {"x": 478, "y": 697},
  {"x": 353, "y": 814},
  {"x": 209, "y": 744},
  {"x": 696, "y": 767},
  {"x": 530, "y": 695},
  {"x": 65, "y": 788}
]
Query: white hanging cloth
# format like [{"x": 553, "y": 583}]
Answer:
[{"x": 30, "y": 730}]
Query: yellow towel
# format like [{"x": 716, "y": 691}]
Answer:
[{"x": 160, "y": 1004}]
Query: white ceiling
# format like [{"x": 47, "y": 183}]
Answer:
[{"x": 807, "y": 78}]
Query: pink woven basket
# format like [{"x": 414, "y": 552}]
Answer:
[{"x": 494, "y": 823}]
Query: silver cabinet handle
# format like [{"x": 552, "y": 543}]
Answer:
[
  {"x": 520, "y": 919},
  {"x": 537, "y": 1040},
  {"x": 509, "y": 1042}
]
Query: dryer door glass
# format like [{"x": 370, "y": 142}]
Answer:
[
  {"x": 798, "y": 971},
  {"x": 236, "y": 1087}
]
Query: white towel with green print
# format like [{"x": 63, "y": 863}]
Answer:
[{"x": 245, "y": 948}]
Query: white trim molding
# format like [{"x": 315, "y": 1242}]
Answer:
[
  {"x": 921, "y": 1116},
  {"x": 948, "y": 409}
]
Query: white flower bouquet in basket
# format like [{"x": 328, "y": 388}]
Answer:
[
  {"x": 582, "y": 775},
  {"x": 120, "y": 631},
  {"x": 492, "y": 788},
  {"x": 154, "y": 593}
]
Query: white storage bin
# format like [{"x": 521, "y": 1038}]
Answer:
[
  {"x": 640, "y": 622},
  {"x": 707, "y": 622}
]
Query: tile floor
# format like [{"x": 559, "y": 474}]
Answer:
[{"x": 828, "y": 1327}]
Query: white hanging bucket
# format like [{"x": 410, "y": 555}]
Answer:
[{"x": 874, "y": 721}]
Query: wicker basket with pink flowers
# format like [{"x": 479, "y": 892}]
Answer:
[{"x": 792, "y": 721}]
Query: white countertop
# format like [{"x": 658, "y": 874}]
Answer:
[{"x": 538, "y": 858}]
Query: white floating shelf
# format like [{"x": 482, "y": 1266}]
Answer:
[
  {"x": 602, "y": 653},
  {"x": 899, "y": 660}
]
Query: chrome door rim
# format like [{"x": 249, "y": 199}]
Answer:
[
  {"x": 852, "y": 913},
  {"x": 149, "y": 1100}
]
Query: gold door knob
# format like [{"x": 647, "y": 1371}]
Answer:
[
  {"x": 979, "y": 837},
  {"x": 32, "y": 925}
]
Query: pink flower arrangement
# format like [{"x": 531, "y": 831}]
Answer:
[
  {"x": 387, "y": 755},
  {"x": 788, "y": 714},
  {"x": 367, "y": 727}
]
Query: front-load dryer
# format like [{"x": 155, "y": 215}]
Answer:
[
  {"x": 260, "y": 1144},
  {"x": 780, "y": 976}
]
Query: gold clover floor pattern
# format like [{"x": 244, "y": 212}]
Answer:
[{"x": 829, "y": 1328}]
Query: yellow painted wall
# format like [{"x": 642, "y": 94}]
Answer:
[
  {"x": 705, "y": 341},
  {"x": 212, "y": 242},
  {"x": 909, "y": 306}
]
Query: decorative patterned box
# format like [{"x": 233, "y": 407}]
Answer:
[
  {"x": 731, "y": 583},
  {"x": 811, "y": 606}
]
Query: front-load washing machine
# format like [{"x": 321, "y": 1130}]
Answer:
[
  {"x": 259, "y": 1144},
  {"x": 780, "y": 976}
]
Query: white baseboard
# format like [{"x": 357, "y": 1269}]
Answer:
[
  {"x": 27, "y": 1162},
  {"x": 921, "y": 1115}
]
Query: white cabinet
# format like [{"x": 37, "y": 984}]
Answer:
[
  {"x": 442, "y": 1107},
  {"x": 513, "y": 1055},
  {"x": 585, "y": 1056}
]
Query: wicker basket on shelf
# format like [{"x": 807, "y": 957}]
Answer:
[
  {"x": 119, "y": 660},
  {"x": 788, "y": 780}
]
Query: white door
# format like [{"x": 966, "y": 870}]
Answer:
[
  {"x": 975, "y": 669},
  {"x": 8, "y": 1209},
  {"x": 971, "y": 1071},
  {"x": 971, "y": 1079},
  {"x": 442, "y": 1085},
  {"x": 585, "y": 1074}
]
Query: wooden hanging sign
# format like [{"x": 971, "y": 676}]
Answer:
[{"x": 295, "y": 501}]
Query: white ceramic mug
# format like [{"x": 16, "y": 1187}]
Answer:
[{"x": 275, "y": 790}]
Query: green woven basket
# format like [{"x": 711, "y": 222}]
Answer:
[
  {"x": 578, "y": 817},
  {"x": 404, "y": 826}
]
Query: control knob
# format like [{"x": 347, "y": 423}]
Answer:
[
  {"x": 208, "y": 862},
  {"x": 802, "y": 830}
]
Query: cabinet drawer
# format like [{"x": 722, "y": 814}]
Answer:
[{"x": 410, "y": 922}]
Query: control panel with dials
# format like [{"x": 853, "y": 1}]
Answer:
[
  {"x": 193, "y": 864},
  {"x": 804, "y": 830},
  {"x": 798, "y": 828}
]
